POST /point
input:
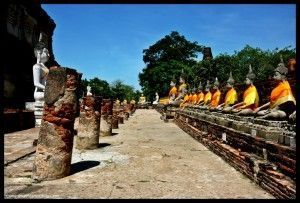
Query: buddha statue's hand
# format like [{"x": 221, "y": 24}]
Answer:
[
  {"x": 236, "y": 110},
  {"x": 293, "y": 116},
  {"x": 256, "y": 110}
]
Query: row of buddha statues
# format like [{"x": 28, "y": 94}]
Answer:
[{"x": 281, "y": 105}]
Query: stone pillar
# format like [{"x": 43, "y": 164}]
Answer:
[
  {"x": 106, "y": 118},
  {"x": 89, "y": 123},
  {"x": 121, "y": 116},
  {"x": 55, "y": 142},
  {"x": 115, "y": 120}
]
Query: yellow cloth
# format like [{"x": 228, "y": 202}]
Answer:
[
  {"x": 200, "y": 97},
  {"x": 164, "y": 100},
  {"x": 250, "y": 97},
  {"x": 231, "y": 97},
  {"x": 207, "y": 97},
  {"x": 215, "y": 99},
  {"x": 281, "y": 94},
  {"x": 181, "y": 87},
  {"x": 172, "y": 91},
  {"x": 190, "y": 98}
]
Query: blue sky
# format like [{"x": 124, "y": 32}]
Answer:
[{"x": 107, "y": 40}]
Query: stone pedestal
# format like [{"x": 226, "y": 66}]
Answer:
[
  {"x": 55, "y": 141},
  {"x": 89, "y": 123},
  {"x": 38, "y": 112},
  {"x": 106, "y": 118}
]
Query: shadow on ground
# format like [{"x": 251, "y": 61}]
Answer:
[
  {"x": 102, "y": 145},
  {"x": 83, "y": 165}
]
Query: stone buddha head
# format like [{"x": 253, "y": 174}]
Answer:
[
  {"x": 280, "y": 71},
  {"x": 207, "y": 87},
  {"x": 200, "y": 87},
  {"x": 216, "y": 84},
  {"x": 230, "y": 81},
  {"x": 182, "y": 77},
  {"x": 173, "y": 81},
  {"x": 250, "y": 76},
  {"x": 41, "y": 52}
]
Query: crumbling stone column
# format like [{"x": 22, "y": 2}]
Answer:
[
  {"x": 89, "y": 123},
  {"x": 126, "y": 111},
  {"x": 121, "y": 116},
  {"x": 55, "y": 142},
  {"x": 106, "y": 118},
  {"x": 115, "y": 120}
]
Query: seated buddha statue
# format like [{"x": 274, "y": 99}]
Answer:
[
  {"x": 185, "y": 101},
  {"x": 156, "y": 99},
  {"x": 190, "y": 100},
  {"x": 207, "y": 97},
  {"x": 230, "y": 97},
  {"x": 216, "y": 96},
  {"x": 89, "y": 88},
  {"x": 194, "y": 97},
  {"x": 181, "y": 91},
  {"x": 142, "y": 99},
  {"x": 282, "y": 103},
  {"x": 250, "y": 97},
  {"x": 166, "y": 101},
  {"x": 200, "y": 95}
]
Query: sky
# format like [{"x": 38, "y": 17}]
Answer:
[{"x": 107, "y": 40}]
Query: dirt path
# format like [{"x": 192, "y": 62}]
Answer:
[{"x": 146, "y": 158}]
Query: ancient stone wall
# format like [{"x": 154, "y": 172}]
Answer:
[{"x": 269, "y": 164}]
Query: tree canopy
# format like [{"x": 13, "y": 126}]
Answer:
[
  {"x": 170, "y": 55},
  {"x": 165, "y": 59},
  {"x": 115, "y": 90}
]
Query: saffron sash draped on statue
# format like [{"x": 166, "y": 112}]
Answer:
[
  {"x": 281, "y": 94},
  {"x": 185, "y": 100},
  {"x": 231, "y": 97},
  {"x": 173, "y": 91},
  {"x": 215, "y": 99},
  {"x": 200, "y": 97},
  {"x": 207, "y": 97},
  {"x": 250, "y": 98},
  {"x": 194, "y": 98}
]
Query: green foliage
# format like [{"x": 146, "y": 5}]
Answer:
[
  {"x": 117, "y": 90},
  {"x": 168, "y": 56},
  {"x": 164, "y": 60}
]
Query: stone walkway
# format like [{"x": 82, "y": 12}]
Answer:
[{"x": 146, "y": 158}]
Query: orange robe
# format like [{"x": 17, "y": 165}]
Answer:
[
  {"x": 207, "y": 97},
  {"x": 215, "y": 99},
  {"x": 190, "y": 98},
  {"x": 200, "y": 97},
  {"x": 231, "y": 97},
  {"x": 250, "y": 97},
  {"x": 281, "y": 94},
  {"x": 185, "y": 100},
  {"x": 194, "y": 98}
]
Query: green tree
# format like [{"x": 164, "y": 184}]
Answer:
[{"x": 165, "y": 59}]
